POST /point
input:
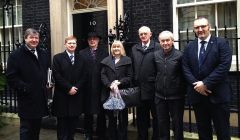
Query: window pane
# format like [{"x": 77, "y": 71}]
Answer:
[
  {"x": 13, "y": 2},
  {"x": 184, "y": 1},
  {"x": 186, "y": 18},
  {"x": 19, "y": 2},
  {"x": 1, "y": 17},
  {"x": 84, "y": 4},
  {"x": 202, "y": 0},
  {"x": 19, "y": 18},
  {"x": 185, "y": 38},
  {"x": 208, "y": 12},
  {"x": 231, "y": 37},
  {"x": 228, "y": 14}
]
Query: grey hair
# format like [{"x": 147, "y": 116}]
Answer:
[
  {"x": 166, "y": 33},
  {"x": 30, "y": 31},
  {"x": 144, "y": 29}
]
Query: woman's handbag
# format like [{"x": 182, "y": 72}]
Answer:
[
  {"x": 130, "y": 96},
  {"x": 115, "y": 101}
]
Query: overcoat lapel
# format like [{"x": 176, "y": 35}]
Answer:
[
  {"x": 195, "y": 52},
  {"x": 109, "y": 62},
  {"x": 66, "y": 57}
]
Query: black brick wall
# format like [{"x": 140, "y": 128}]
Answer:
[
  {"x": 156, "y": 14},
  {"x": 234, "y": 79},
  {"x": 35, "y": 12}
]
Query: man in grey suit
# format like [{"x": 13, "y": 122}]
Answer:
[{"x": 206, "y": 63}]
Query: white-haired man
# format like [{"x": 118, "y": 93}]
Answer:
[{"x": 144, "y": 77}]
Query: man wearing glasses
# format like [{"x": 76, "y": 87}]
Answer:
[
  {"x": 206, "y": 62},
  {"x": 68, "y": 72}
]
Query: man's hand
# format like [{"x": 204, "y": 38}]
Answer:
[
  {"x": 73, "y": 91},
  {"x": 201, "y": 88}
]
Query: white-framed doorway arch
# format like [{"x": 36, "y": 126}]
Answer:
[{"x": 61, "y": 20}]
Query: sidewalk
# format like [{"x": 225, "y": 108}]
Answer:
[{"x": 11, "y": 132}]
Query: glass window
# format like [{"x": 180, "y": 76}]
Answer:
[
  {"x": 185, "y": 38},
  {"x": 228, "y": 14},
  {"x": 207, "y": 11},
  {"x": 220, "y": 15},
  {"x": 201, "y": 0},
  {"x": 184, "y": 1},
  {"x": 1, "y": 15},
  {"x": 187, "y": 16},
  {"x": 84, "y": 4},
  {"x": 19, "y": 2},
  {"x": 17, "y": 14}
]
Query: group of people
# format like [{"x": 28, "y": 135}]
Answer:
[{"x": 84, "y": 80}]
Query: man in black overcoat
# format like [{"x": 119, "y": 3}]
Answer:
[
  {"x": 144, "y": 77},
  {"x": 68, "y": 73},
  {"x": 27, "y": 75},
  {"x": 92, "y": 56}
]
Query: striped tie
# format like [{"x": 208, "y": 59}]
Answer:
[{"x": 71, "y": 58}]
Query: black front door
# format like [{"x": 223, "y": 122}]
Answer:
[{"x": 87, "y": 22}]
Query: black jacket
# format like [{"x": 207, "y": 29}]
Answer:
[
  {"x": 169, "y": 80},
  {"x": 28, "y": 76},
  {"x": 145, "y": 69},
  {"x": 92, "y": 90},
  {"x": 121, "y": 71},
  {"x": 67, "y": 75}
]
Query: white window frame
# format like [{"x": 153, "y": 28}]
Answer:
[
  {"x": 17, "y": 26},
  {"x": 8, "y": 32}
]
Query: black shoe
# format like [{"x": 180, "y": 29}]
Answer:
[{"x": 88, "y": 137}]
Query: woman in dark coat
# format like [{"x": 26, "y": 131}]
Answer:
[
  {"x": 117, "y": 68},
  {"x": 69, "y": 78}
]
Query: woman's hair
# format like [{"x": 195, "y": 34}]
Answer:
[
  {"x": 118, "y": 43},
  {"x": 71, "y": 37}
]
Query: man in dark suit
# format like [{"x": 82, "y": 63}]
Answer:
[
  {"x": 27, "y": 74},
  {"x": 144, "y": 77},
  {"x": 92, "y": 56},
  {"x": 206, "y": 63},
  {"x": 68, "y": 73}
]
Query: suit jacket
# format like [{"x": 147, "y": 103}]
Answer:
[
  {"x": 213, "y": 72},
  {"x": 67, "y": 75},
  {"x": 145, "y": 69},
  {"x": 28, "y": 76},
  {"x": 92, "y": 91}
]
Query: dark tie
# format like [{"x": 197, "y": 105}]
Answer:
[
  {"x": 33, "y": 51},
  {"x": 202, "y": 53},
  {"x": 93, "y": 53},
  {"x": 144, "y": 47},
  {"x": 71, "y": 58}
]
